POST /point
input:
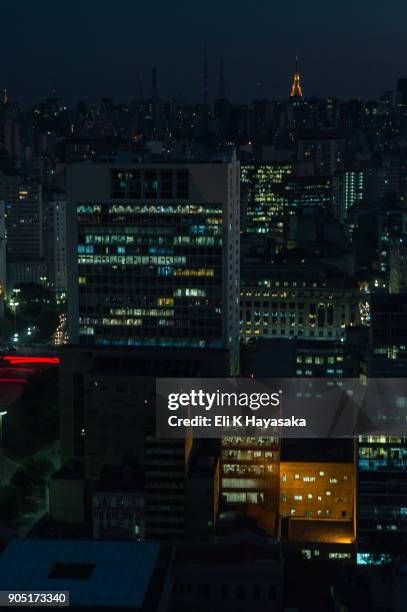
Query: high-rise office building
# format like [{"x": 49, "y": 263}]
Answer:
[
  {"x": 326, "y": 151},
  {"x": 307, "y": 194},
  {"x": 55, "y": 239},
  {"x": 153, "y": 255},
  {"x": 263, "y": 199},
  {"x": 348, "y": 189},
  {"x": 2, "y": 256},
  {"x": 23, "y": 197},
  {"x": 382, "y": 460},
  {"x": 107, "y": 408},
  {"x": 25, "y": 229}
]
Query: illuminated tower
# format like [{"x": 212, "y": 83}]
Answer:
[{"x": 296, "y": 91}]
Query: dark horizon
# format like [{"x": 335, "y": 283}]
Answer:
[{"x": 101, "y": 49}]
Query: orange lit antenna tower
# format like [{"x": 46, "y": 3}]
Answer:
[{"x": 296, "y": 91}]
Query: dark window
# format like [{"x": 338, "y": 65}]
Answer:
[
  {"x": 118, "y": 184},
  {"x": 241, "y": 592},
  {"x": 167, "y": 185},
  {"x": 272, "y": 592},
  {"x": 182, "y": 186},
  {"x": 134, "y": 184},
  {"x": 72, "y": 571},
  {"x": 256, "y": 592},
  {"x": 150, "y": 185}
]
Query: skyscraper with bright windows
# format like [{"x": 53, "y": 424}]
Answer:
[
  {"x": 154, "y": 255},
  {"x": 263, "y": 197}
]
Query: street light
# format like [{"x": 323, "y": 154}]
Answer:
[
  {"x": 14, "y": 303},
  {"x": 2, "y": 414}
]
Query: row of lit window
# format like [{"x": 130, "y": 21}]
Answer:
[
  {"x": 130, "y": 259},
  {"x": 318, "y": 360},
  {"x": 177, "y": 209},
  {"x": 311, "y": 478}
]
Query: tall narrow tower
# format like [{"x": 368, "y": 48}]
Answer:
[
  {"x": 296, "y": 91},
  {"x": 205, "y": 79},
  {"x": 154, "y": 87},
  {"x": 221, "y": 88}
]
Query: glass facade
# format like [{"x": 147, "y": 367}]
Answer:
[{"x": 150, "y": 273}]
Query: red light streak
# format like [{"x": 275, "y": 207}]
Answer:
[{"x": 16, "y": 360}]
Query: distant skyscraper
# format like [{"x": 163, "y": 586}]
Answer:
[
  {"x": 348, "y": 190},
  {"x": 205, "y": 79},
  {"x": 402, "y": 90},
  {"x": 296, "y": 90},
  {"x": 2, "y": 256},
  {"x": 25, "y": 229},
  {"x": 154, "y": 255},
  {"x": 221, "y": 89},
  {"x": 382, "y": 460},
  {"x": 154, "y": 86},
  {"x": 263, "y": 196},
  {"x": 55, "y": 239}
]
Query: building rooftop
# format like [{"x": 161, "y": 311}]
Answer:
[{"x": 97, "y": 574}]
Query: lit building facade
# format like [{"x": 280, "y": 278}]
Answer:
[
  {"x": 382, "y": 493},
  {"x": 382, "y": 460},
  {"x": 250, "y": 468},
  {"x": 275, "y": 303},
  {"x": 326, "y": 359},
  {"x": 348, "y": 190},
  {"x": 264, "y": 201},
  {"x": 154, "y": 255},
  {"x": 307, "y": 194},
  {"x": 318, "y": 496},
  {"x": 317, "y": 490}
]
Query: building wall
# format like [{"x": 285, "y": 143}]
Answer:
[
  {"x": 67, "y": 500},
  {"x": 170, "y": 265},
  {"x": 318, "y": 309},
  {"x": 3, "y": 278},
  {"x": 317, "y": 490},
  {"x": 249, "y": 469},
  {"x": 114, "y": 511},
  {"x": 25, "y": 217},
  {"x": 56, "y": 244}
]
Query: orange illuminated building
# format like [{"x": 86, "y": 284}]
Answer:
[{"x": 322, "y": 494}]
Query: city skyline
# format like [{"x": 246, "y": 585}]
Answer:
[
  {"x": 101, "y": 51},
  {"x": 203, "y": 305}
]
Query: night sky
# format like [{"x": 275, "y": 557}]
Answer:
[{"x": 93, "y": 48}]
